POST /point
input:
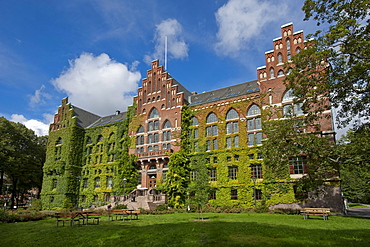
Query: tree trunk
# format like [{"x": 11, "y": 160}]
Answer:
[{"x": 1, "y": 182}]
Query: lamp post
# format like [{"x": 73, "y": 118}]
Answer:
[
  {"x": 7, "y": 196},
  {"x": 124, "y": 185}
]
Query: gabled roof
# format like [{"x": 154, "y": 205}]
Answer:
[
  {"x": 84, "y": 118},
  {"x": 119, "y": 116},
  {"x": 224, "y": 93}
]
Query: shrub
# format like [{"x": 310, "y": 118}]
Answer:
[
  {"x": 120, "y": 206},
  {"x": 36, "y": 204}
]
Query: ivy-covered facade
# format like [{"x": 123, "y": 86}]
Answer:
[{"x": 158, "y": 142}]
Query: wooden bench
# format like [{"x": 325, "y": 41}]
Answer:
[
  {"x": 94, "y": 216},
  {"x": 133, "y": 213},
  {"x": 117, "y": 213},
  {"x": 67, "y": 217},
  {"x": 324, "y": 212}
]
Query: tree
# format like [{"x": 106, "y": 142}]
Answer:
[
  {"x": 177, "y": 179},
  {"x": 335, "y": 64},
  {"x": 23, "y": 155},
  {"x": 355, "y": 166},
  {"x": 286, "y": 141},
  {"x": 199, "y": 188}
]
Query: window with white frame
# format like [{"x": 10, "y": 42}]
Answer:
[{"x": 289, "y": 107}]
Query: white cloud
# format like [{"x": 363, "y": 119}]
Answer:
[
  {"x": 99, "y": 84},
  {"x": 37, "y": 98},
  {"x": 241, "y": 20},
  {"x": 40, "y": 128},
  {"x": 176, "y": 46}
]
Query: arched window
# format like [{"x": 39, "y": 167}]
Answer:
[
  {"x": 288, "y": 49},
  {"x": 288, "y": 96},
  {"x": 194, "y": 121},
  {"x": 280, "y": 72},
  {"x": 291, "y": 109},
  {"x": 212, "y": 118},
  {"x": 167, "y": 125},
  {"x": 88, "y": 141},
  {"x": 254, "y": 110},
  {"x": 100, "y": 138},
  {"x": 154, "y": 113},
  {"x": 254, "y": 125},
  {"x": 272, "y": 73},
  {"x": 140, "y": 130},
  {"x": 298, "y": 50},
  {"x": 232, "y": 114},
  {"x": 59, "y": 141},
  {"x": 280, "y": 58}
]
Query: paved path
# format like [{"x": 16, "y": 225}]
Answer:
[{"x": 360, "y": 212}]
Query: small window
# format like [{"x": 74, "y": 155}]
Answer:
[
  {"x": 194, "y": 121},
  {"x": 288, "y": 96},
  {"x": 232, "y": 114},
  {"x": 154, "y": 113},
  {"x": 212, "y": 118},
  {"x": 280, "y": 58},
  {"x": 233, "y": 172},
  {"x": 254, "y": 110},
  {"x": 167, "y": 125},
  {"x": 234, "y": 194},
  {"x": 257, "y": 193},
  {"x": 272, "y": 73}
]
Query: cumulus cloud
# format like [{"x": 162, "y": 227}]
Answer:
[
  {"x": 241, "y": 20},
  {"x": 40, "y": 128},
  {"x": 176, "y": 46},
  {"x": 99, "y": 84},
  {"x": 38, "y": 97}
]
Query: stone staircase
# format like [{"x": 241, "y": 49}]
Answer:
[{"x": 137, "y": 199}]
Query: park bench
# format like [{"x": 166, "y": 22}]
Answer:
[
  {"x": 67, "y": 217},
  {"x": 118, "y": 213},
  {"x": 324, "y": 212},
  {"x": 94, "y": 216},
  {"x": 133, "y": 213}
]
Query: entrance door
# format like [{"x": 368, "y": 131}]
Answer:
[{"x": 152, "y": 181}]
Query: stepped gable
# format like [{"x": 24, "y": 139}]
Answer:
[
  {"x": 84, "y": 118},
  {"x": 118, "y": 116},
  {"x": 181, "y": 89},
  {"x": 224, "y": 93}
]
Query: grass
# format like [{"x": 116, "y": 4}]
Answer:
[
  {"x": 355, "y": 205},
  {"x": 182, "y": 229}
]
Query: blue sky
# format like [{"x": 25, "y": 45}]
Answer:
[{"x": 96, "y": 52}]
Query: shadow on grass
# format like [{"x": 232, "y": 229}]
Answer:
[{"x": 214, "y": 232}]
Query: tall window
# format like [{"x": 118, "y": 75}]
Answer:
[
  {"x": 212, "y": 130},
  {"x": 257, "y": 193},
  {"x": 254, "y": 125},
  {"x": 288, "y": 49},
  {"x": 166, "y": 135},
  {"x": 233, "y": 172},
  {"x": 213, "y": 174},
  {"x": 290, "y": 108},
  {"x": 298, "y": 165},
  {"x": 280, "y": 58},
  {"x": 109, "y": 182},
  {"x": 272, "y": 73},
  {"x": 55, "y": 182},
  {"x": 256, "y": 170},
  {"x": 97, "y": 182}
]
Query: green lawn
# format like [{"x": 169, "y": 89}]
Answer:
[{"x": 182, "y": 229}]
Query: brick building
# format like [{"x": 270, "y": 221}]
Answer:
[{"x": 92, "y": 159}]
